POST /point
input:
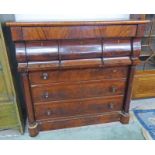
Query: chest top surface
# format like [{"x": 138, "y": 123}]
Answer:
[{"x": 28, "y": 31}]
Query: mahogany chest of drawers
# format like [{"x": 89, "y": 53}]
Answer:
[{"x": 76, "y": 73}]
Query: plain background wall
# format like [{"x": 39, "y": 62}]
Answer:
[{"x": 67, "y": 16}]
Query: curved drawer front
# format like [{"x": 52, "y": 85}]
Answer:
[
  {"x": 36, "y": 51},
  {"x": 77, "y": 75},
  {"x": 116, "y": 47},
  {"x": 42, "y": 51},
  {"x": 80, "y": 49},
  {"x": 78, "y": 90},
  {"x": 78, "y": 107}
]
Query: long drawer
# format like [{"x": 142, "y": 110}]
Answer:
[
  {"x": 77, "y": 107},
  {"x": 77, "y": 90},
  {"x": 77, "y": 75},
  {"x": 74, "y": 32}
]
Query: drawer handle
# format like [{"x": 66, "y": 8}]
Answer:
[
  {"x": 110, "y": 106},
  {"x": 46, "y": 95},
  {"x": 113, "y": 89},
  {"x": 48, "y": 112},
  {"x": 45, "y": 76},
  {"x": 114, "y": 70}
]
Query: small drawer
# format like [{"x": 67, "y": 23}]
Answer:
[
  {"x": 77, "y": 75},
  {"x": 77, "y": 90},
  {"x": 80, "y": 49},
  {"x": 116, "y": 48},
  {"x": 77, "y": 107},
  {"x": 76, "y": 32}
]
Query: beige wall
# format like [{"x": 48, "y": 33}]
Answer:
[{"x": 64, "y": 15}]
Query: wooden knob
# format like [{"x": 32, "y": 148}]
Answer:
[
  {"x": 46, "y": 95},
  {"x": 48, "y": 112},
  {"x": 45, "y": 76},
  {"x": 113, "y": 89},
  {"x": 114, "y": 70},
  {"x": 110, "y": 106}
]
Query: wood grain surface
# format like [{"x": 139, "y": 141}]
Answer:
[{"x": 77, "y": 73}]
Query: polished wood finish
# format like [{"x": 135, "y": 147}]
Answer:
[
  {"x": 77, "y": 73},
  {"x": 46, "y": 77},
  {"x": 143, "y": 85},
  {"x": 115, "y": 47},
  {"x": 124, "y": 119},
  {"x": 77, "y": 90},
  {"x": 133, "y": 21},
  {"x": 78, "y": 107},
  {"x": 42, "y": 51},
  {"x": 77, "y": 32},
  {"x": 80, "y": 49},
  {"x": 73, "y": 30},
  {"x": 26, "y": 89},
  {"x": 52, "y": 124},
  {"x": 129, "y": 89}
]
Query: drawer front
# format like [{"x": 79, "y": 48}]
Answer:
[
  {"x": 77, "y": 75},
  {"x": 78, "y": 90},
  {"x": 116, "y": 47},
  {"x": 76, "y": 32},
  {"x": 42, "y": 51},
  {"x": 78, "y": 107},
  {"x": 80, "y": 49}
]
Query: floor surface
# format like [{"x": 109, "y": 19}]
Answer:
[{"x": 109, "y": 131}]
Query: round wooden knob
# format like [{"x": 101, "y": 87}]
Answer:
[
  {"x": 48, "y": 112},
  {"x": 45, "y": 76},
  {"x": 110, "y": 106},
  {"x": 113, "y": 89},
  {"x": 46, "y": 95},
  {"x": 114, "y": 70}
]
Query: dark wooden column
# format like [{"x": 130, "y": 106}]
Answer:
[{"x": 30, "y": 111}]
